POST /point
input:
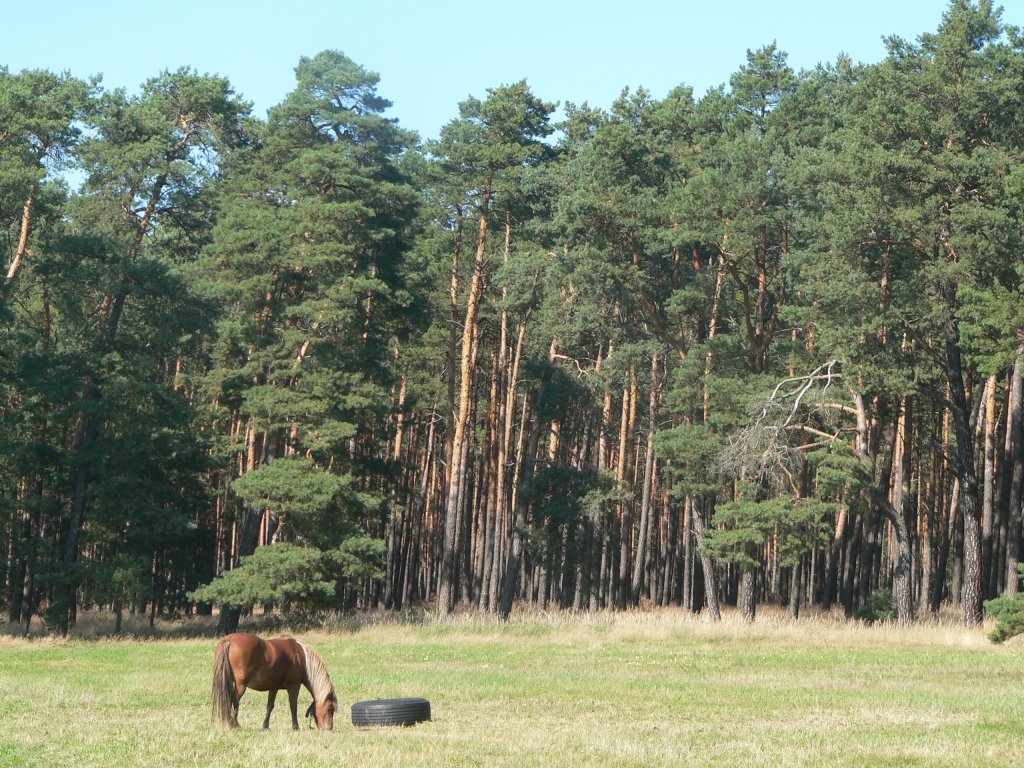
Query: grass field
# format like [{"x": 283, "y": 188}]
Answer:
[{"x": 636, "y": 689}]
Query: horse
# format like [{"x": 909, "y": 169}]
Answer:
[{"x": 244, "y": 661}]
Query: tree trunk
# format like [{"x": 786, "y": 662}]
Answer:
[
  {"x": 510, "y": 578},
  {"x": 748, "y": 598},
  {"x": 929, "y": 504},
  {"x": 709, "y": 357},
  {"x": 950, "y": 523},
  {"x": 972, "y": 550},
  {"x": 878, "y": 492},
  {"x": 23, "y": 235},
  {"x": 507, "y": 423},
  {"x": 642, "y": 554},
  {"x": 1014, "y": 459},
  {"x": 988, "y": 487},
  {"x": 66, "y": 591},
  {"x": 710, "y": 580},
  {"x": 627, "y": 427},
  {"x": 903, "y": 570},
  {"x": 452, "y": 518},
  {"x": 830, "y": 591},
  {"x": 795, "y": 591}
]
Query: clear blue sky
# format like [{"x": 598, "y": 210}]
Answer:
[{"x": 431, "y": 54}]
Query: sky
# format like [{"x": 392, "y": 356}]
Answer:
[{"x": 432, "y": 54}]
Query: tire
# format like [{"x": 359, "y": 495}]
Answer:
[{"x": 390, "y": 712}]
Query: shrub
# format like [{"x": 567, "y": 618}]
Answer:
[
  {"x": 879, "y": 607},
  {"x": 1008, "y": 613}
]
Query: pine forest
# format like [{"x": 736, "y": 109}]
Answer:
[{"x": 759, "y": 346}]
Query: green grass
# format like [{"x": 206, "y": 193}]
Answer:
[{"x": 638, "y": 689}]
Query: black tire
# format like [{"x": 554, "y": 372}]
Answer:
[{"x": 390, "y": 712}]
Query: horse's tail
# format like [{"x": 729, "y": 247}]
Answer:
[{"x": 225, "y": 696}]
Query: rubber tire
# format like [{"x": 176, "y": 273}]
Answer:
[{"x": 390, "y": 712}]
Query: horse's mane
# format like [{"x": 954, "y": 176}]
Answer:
[{"x": 316, "y": 673}]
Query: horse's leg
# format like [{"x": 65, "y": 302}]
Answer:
[
  {"x": 271, "y": 695},
  {"x": 293, "y": 702},
  {"x": 239, "y": 689}
]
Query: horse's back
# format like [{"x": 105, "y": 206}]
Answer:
[
  {"x": 265, "y": 664},
  {"x": 243, "y": 639}
]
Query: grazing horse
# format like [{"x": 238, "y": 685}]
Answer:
[{"x": 245, "y": 661}]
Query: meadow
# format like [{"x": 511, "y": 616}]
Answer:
[{"x": 631, "y": 689}]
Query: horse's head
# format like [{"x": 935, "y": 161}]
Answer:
[
  {"x": 319, "y": 684},
  {"x": 323, "y": 712}
]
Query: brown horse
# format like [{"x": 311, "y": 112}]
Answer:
[{"x": 245, "y": 661}]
